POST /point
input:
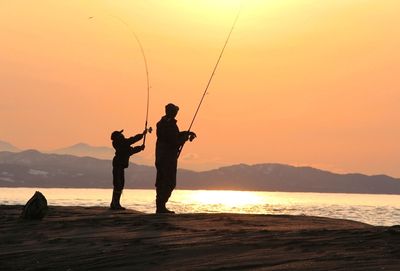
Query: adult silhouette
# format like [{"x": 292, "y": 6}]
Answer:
[{"x": 169, "y": 140}]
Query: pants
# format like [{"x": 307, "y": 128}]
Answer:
[
  {"x": 165, "y": 181},
  {"x": 118, "y": 178}
]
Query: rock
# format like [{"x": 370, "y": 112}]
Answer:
[{"x": 36, "y": 207}]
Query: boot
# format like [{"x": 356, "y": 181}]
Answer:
[
  {"x": 161, "y": 209},
  {"x": 166, "y": 211},
  {"x": 115, "y": 205}
]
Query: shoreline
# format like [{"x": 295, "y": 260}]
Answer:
[{"x": 95, "y": 238}]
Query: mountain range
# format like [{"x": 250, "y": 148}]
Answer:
[
  {"x": 79, "y": 149},
  {"x": 32, "y": 168},
  {"x": 83, "y": 149},
  {"x": 5, "y": 146}
]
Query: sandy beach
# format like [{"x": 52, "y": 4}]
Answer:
[{"x": 95, "y": 238}]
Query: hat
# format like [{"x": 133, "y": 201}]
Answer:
[
  {"x": 116, "y": 134},
  {"x": 171, "y": 108}
]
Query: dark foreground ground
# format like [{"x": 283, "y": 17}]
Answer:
[{"x": 78, "y": 238}]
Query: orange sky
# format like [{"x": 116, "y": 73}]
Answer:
[{"x": 301, "y": 82}]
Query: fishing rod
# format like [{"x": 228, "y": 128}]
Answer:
[
  {"x": 146, "y": 68},
  {"x": 147, "y": 74},
  {"x": 211, "y": 77}
]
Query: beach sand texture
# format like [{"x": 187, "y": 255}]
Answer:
[{"x": 95, "y": 238}]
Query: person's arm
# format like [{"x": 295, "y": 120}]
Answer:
[
  {"x": 185, "y": 136},
  {"x": 136, "y": 149},
  {"x": 134, "y": 139}
]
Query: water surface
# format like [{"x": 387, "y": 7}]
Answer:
[{"x": 381, "y": 210}]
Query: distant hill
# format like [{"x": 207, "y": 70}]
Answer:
[
  {"x": 34, "y": 169},
  {"x": 5, "y": 146},
  {"x": 83, "y": 149},
  {"x": 278, "y": 177},
  {"x": 79, "y": 149}
]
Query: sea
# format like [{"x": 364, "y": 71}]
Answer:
[{"x": 379, "y": 210}]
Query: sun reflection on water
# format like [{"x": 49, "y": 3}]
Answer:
[{"x": 227, "y": 198}]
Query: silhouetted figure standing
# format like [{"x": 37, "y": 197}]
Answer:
[
  {"x": 169, "y": 140},
  {"x": 123, "y": 151}
]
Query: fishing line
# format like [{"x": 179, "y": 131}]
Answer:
[
  {"x": 212, "y": 75},
  {"x": 146, "y": 68}
]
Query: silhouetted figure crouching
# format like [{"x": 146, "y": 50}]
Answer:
[
  {"x": 123, "y": 151},
  {"x": 169, "y": 140}
]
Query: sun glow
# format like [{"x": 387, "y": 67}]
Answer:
[{"x": 287, "y": 68}]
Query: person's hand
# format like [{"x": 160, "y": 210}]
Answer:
[
  {"x": 192, "y": 136},
  {"x": 148, "y": 130}
]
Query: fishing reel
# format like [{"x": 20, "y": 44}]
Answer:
[
  {"x": 147, "y": 130},
  {"x": 192, "y": 136}
]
